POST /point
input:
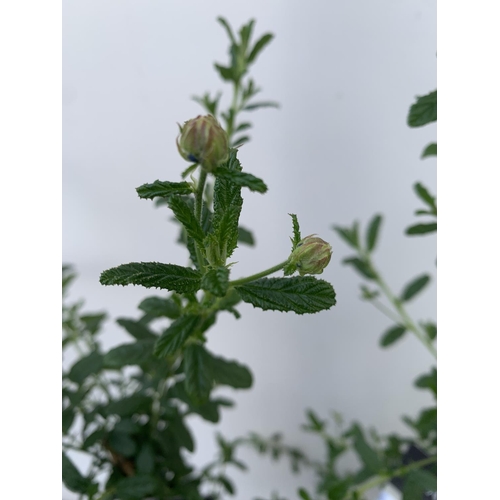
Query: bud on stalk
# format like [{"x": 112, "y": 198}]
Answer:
[{"x": 311, "y": 255}]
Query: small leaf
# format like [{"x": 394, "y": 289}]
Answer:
[
  {"x": 186, "y": 217},
  {"x": 430, "y": 150},
  {"x": 296, "y": 232},
  {"x": 259, "y": 46},
  {"x": 215, "y": 281},
  {"x": 315, "y": 423},
  {"x": 157, "y": 307},
  {"x": 93, "y": 321},
  {"x": 245, "y": 236},
  {"x": 189, "y": 170},
  {"x": 128, "y": 354},
  {"x": 198, "y": 379},
  {"x": 366, "y": 453},
  {"x": 391, "y": 335},
  {"x": 242, "y": 126},
  {"x": 242, "y": 179},
  {"x": 68, "y": 416},
  {"x": 72, "y": 478},
  {"x": 372, "y": 232},
  {"x": 239, "y": 141},
  {"x": 422, "y": 229},
  {"x": 134, "y": 487},
  {"x": 361, "y": 266},
  {"x": 428, "y": 381},
  {"x": 88, "y": 365},
  {"x": 300, "y": 294},
  {"x": 163, "y": 189},
  {"x": 304, "y": 494},
  {"x": 153, "y": 274},
  {"x": 415, "y": 287},
  {"x": 262, "y": 104},
  {"x": 229, "y": 373},
  {"x": 430, "y": 329},
  {"x": 350, "y": 236},
  {"x": 425, "y": 196},
  {"x": 424, "y": 111},
  {"x": 226, "y": 483},
  {"x": 136, "y": 329},
  {"x": 226, "y": 74},
  {"x": 228, "y": 29},
  {"x": 174, "y": 337}
]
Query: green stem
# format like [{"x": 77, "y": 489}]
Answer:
[
  {"x": 235, "y": 109},
  {"x": 198, "y": 203},
  {"x": 384, "y": 478},
  {"x": 262, "y": 274}
]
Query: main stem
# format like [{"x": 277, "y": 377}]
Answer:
[
  {"x": 198, "y": 203},
  {"x": 257, "y": 276}
]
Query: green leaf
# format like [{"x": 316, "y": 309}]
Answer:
[
  {"x": 239, "y": 141},
  {"x": 350, "y": 236},
  {"x": 92, "y": 439},
  {"x": 182, "y": 434},
  {"x": 372, "y": 232},
  {"x": 122, "y": 443},
  {"x": 430, "y": 329},
  {"x": 315, "y": 423},
  {"x": 174, "y": 337},
  {"x": 230, "y": 373},
  {"x": 153, "y": 274},
  {"x": 93, "y": 322},
  {"x": 300, "y": 294},
  {"x": 259, "y": 46},
  {"x": 157, "y": 307},
  {"x": 215, "y": 281},
  {"x": 128, "y": 354},
  {"x": 417, "y": 483},
  {"x": 145, "y": 461},
  {"x": 390, "y": 336},
  {"x": 226, "y": 74},
  {"x": 425, "y": 196},
  {"x": 430, "y": 150},
  {"x": 198, "y": 379},
  {"x": 187, "y": 171},
  {"x": 366, "y": 453},
  {"x": 242, "y": 179},
  {"x": 135, "y": 487},
  {"x": 128, "y": 406},
  {"x": 163, "y": 189},
  {"x": 262, "y": 104},
  {"x": 72, "y": 478},
  {"x": 88, "y": 365},
  {"x": 138, "y": 330},
  {"x": 242, "y": 126},
  {"x": 228, "y": 29},
  {"x": 296, "y": 231},
  {"x": 245, "y": 236},
  {"x": 246, "y": 33},
  {"x": 68, "y": 276},
  {"x": 415, "y": 287},
  {"x": 226, "y": 483},
  {"x": 368, "y": 294},
  {"x": 361, "y": 266},
  {"x": 304, "y": 494},
  {"x": 68, "y": 416},
  {"x": 428, "y": 381},
  {"x": 422, "y": 229},
  {"x": 186, "y": 217},
  {"x": 424, "y": 111}
]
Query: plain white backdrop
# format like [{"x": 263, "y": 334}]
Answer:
[{"x": 338, "y": 149}]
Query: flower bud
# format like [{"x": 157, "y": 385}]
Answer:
[
  {"x": 311, "y": 255},
  {"x": 202, "y": 140}
]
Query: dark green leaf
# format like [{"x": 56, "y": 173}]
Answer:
[
  {"x": 304, "y": 494},
  {"x": 422, "y": 229},
  {"x": 315, "y": 423},
  {"x": 415, "y": 287},
  {"x": 391, "y": 335},
  {"x": 239, "y": 141},
  {"x": 153, "y": 274},
  {"x": 425, "y": 196},
  {"x": 88, "y": 365},
  {"x": 226, "y": 74},
  {"x": 361, "y": 266},
  {"x": 246, "y": 33},
  {"x": 262, "y": 104},
  {"x": 242, "y": 126},
  {"x": 245, "y": 236},
  {"x": 174, "y": 337},
  {"x": 197, "y": 370},
  {"x": 93, "y": 321},
  {"x": 229, "y": 373},
  {"x": 372, "y": 232},
  {"x": 300, "y": 294},
  {"x": 417, "y": 483},
  {"x": 430, "y": 329},
  {"x": 228, "y": 29},
  {"x": 128, "y": 406},
  {"x": 428, "y": 381},
  {"x": 122, "y": 443},
  {"x": 186, "y": 217},
  {"x": 368, "y": 294},
  {"x": 72, "y": 478},
  {"x": 163, "y": 189},
  {"x": 138, "y": 330},
  {"x": 259, "y": 46},
  {"x": 135, "y": 487},
  {"x": 215, "y": 281},
  {"x": 93, "y": 438},
  {"x": 145, "y": 461},
  {"x": 430, "y": 150},
  {"x": 350, "y": 236},
  {"x": 182, "y": 434},
  {"x": 424, "y": 111},
  {"x": 242, "y": 179},
  {"x": 226, "y": 483},
  {"x": 366, "y": 453},
  {"x": 68, "y": 415},
  {"x": 157, "y": 307},
  {"x": 127, "y": 426},
  {"x": 296, "y": 232},
  {"x": 128, "y": 354}
]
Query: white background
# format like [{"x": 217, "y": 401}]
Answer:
[{"x": 338, "y": 149}]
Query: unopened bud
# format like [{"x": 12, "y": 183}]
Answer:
[
  {"x": 311, "y": 255},
  {"x": 202, "y": 140}
]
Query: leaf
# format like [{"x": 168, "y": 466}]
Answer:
[
  {"x": 428, "y": 381},
  {"x": 422, "y": 229},
  {"x": 226, "y": 74},
  {"x": 242, "y": 179},
  {"x": 136, "y": 329},
  {"x": 315, "y": 423},
  {"x": 174, "y": 337},
  {"x": 296, "y": 231},
  {"x": 418, "y": 483},
  {"x": 68, "y": 416},
  {"x": 145, "y": 461},
  {"x": 361, "y": 266},
  {"x": 424, "y": 111},
  {"x": 135, "y": 487},
  {"x": 430, "y": 329},
  {"x": 262, "y": 104},
  {"x": 304, "y": 494},
  {"x": 391, "y": 335},
  {"x": 350, "y": 236},
  {"x": 186, "y": 217},
  {"x": 226, "y": 483},
  {"x": 366, "y": 453},
  {"x": 228, "y": 29},
  {"x": 93, "y": 322},
  {"x": 415, "y": 287},
  {"x": 245, "y": 236},
  {"x": 163, "y": 189},
  {"x": 153, "y": 274},
  {"x": 300, "y": 294},
  {"x": 372, "y": 232},
  {"x": 215, "y": 281},
  {"x": 122, "y": 443},
  {"x": 259, "y": 46},
  {"x": 129, "y": 405},
  {"x": 157, "y": 307},
  {"x": 72, "y": 478},
  {"x": 239, "y": 141},
  {"x": 93, "y": 438},
  {"x": 182, "y": 434},
  {"x": 242, "y": 126},
  {"x": 430, "y": 150},
  {"x": 230, "y": 373},
  {"x": 198, "y": 379},
  {"x": 88, "y": 365},
  {"x": 187, "y": 171},
  {"x": 425, "y": 196},
  {"x": 128, "y": 354}
]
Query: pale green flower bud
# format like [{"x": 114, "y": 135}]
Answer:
[
  {"x": 202, "y": 140},
  {"x": 311, "y": 255}
]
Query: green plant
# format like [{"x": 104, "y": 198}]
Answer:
[{"x": 132, "y": 424}]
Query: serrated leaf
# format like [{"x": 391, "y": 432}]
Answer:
[
  {"x": 259, "y": 46},
  {"x": 186, "y": 217},
  {"x": 418, "y": 483},
  {"x": 242, "y": 179},
  {"x": 415, "y": 287},
  {"x": 262, "y": 104},
  {"x": 372, "y": 232},
  {"x": 300, "y": 294},
  {"x": 229, "y": 373},
  {"x": 430, "y": 150},
  {"x": 174, "y": 337},
  {"x": 296, "y": 231},
  {"x": 428, "y": 381},
  {"x": 422, "y": 229},
  {"x": 128, "y": 354},
  {"x": 424, "y": 111},
  {"x": 163, "y": 189},
  {"x": 72, "y": 478},
  {"x": 245, "y": 236},
  {"x": 361, "y": 266},
  {"x": 153, "y": 274},
  {"x": 198, "y": 379},
  {"x": 88, "y": 365},
  {"x": 138, "y": 330},
  {"x": 215, "y": 281},
  {"x": 157, "y": 307},
  {"x": 392, "y": 335}
]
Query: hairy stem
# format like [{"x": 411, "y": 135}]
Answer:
[
  {"x": 257, "y": 276},
  {"x": 198, "y": 203}
]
